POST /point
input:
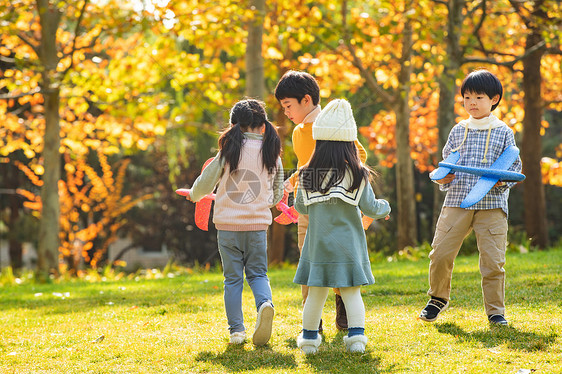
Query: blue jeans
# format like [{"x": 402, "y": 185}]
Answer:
[{"x": 243, "y": 251}]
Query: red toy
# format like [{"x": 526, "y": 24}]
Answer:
[
  {"x": 288, "y": 213},
  {"x": 203, "y": 206}
]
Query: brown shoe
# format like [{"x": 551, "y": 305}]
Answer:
[{"x": 341, "y": 316}]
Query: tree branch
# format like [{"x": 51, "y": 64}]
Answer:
[
  {"x": 552, "y": 102},
  {"x": 122, "y": 252},
  {"x": 509, "y": 64},
  {"x": 370, "y": 79},
  {"x": 76, "y": 31},
  {"x": 10, "y": 97},
  {"x": 470, "y": 12},
  {"x": 8, "y": 60},
  {"x": 518, "y": 5},
  {"x": 482, "y": 18},
  {"x": 29, "y": 43}
]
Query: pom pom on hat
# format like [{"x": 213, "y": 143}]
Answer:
[{"x": 335, "y": 122}]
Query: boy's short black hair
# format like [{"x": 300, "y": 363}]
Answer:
[
  {"x": 481, "y": 81},
  {"x": 296, "y": 84}
]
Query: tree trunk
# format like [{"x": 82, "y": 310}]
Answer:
[
  {"x": 533, "y": 194},
  {"x": 407, "y": 220},
  {"x": 14, "y": 244},
  {"x": 48, "y": 248},
  {"x": 11, "y": 182},
  {"x": 255, "y": 86},
  {"x": 447, "y": 91},
  {"x": 276, "y": 249}
]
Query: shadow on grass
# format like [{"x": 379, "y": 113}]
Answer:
[
  {"x": 236, "y": 359},
  {"x": 496, "y": 335},
  {"x": 332, "y": 357}
]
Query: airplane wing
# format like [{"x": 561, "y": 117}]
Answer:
[
  {"x": 506, "y": 159},
  {"x": 203, "y": 206},
  {"x": 503, "y": 175},
  {"x": 289, "y": 214},
  {"x": 497, "y": 171},
  {"x": 202, "y": 212},
  {"x": 479, "y": 190},
  {"x": 283, "y": 219},
  {"x": 366, "y": 220},
  {"x": 442, "y": 171}
]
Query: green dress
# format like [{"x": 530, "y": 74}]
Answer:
[{"x": 335, "y": 253}]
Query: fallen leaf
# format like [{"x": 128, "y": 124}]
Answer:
[{"x": 98, "y": 340}]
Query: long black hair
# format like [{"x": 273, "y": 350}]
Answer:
[
  {"x": 244, "y": 115},
  {"x": 332, "y": 159}
]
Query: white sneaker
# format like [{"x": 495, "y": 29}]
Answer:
[
  {"x": 355, "y": 343},
  {"x": 264, "y": 324},
  {"x": 309, "y": 346},
  {"x": 238, "y": 337}
]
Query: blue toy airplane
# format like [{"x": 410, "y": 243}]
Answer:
[{"x": 488, "y": 177}]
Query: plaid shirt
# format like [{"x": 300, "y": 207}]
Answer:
[{"x": 472, "y": 153}]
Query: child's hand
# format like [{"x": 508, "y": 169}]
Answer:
[
  {"x": 288, "y": 186},
  {"x": 499, "y": 184},
  {"x": 448, "y": 179},
  {"x": 387, "y": 217}
]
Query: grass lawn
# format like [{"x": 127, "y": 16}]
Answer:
[{"x": 177, "y": 324}]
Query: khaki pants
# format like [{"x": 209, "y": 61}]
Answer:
[
  {"x": 302, "y": 225},
  {"x": 490, "y": 227}
]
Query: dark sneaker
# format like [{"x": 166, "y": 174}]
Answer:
[
  {"x": 433, "y": 308},
  {"x": 497, "y": 319},
  {"x": 341, "y": 316}
]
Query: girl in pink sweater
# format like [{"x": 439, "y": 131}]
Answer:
[{"x": 248, "y": 175}]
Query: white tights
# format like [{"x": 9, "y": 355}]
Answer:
[{"x": 354, "y": 307}]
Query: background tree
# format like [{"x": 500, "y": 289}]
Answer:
[
  {"x": 540, "y": 18},
  {"x": 395, "y": 95},
  {"x": 447, "y": 84},
  {"x": 255, "y": 77},
  {"x": 50, "y": 43}
]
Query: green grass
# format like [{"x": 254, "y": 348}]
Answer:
[{"x": 177, "y": 324}]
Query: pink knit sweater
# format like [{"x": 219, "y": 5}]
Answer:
[{"x": 243, "y": 198}]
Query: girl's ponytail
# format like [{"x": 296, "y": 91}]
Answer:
[
  {"x": 249, "y": 114},
  {"x": 271, "y": 147},
  {"x": 230, "y": 145}
]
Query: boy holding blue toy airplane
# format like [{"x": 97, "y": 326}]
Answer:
[{"x": 479, "y": 140}]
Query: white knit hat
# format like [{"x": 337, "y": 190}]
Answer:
[{"x": 335, "y": 122}]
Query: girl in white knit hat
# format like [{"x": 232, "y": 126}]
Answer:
[
  {"x": 333, "y": 190},
  {"x": 249, "y": 175}
]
